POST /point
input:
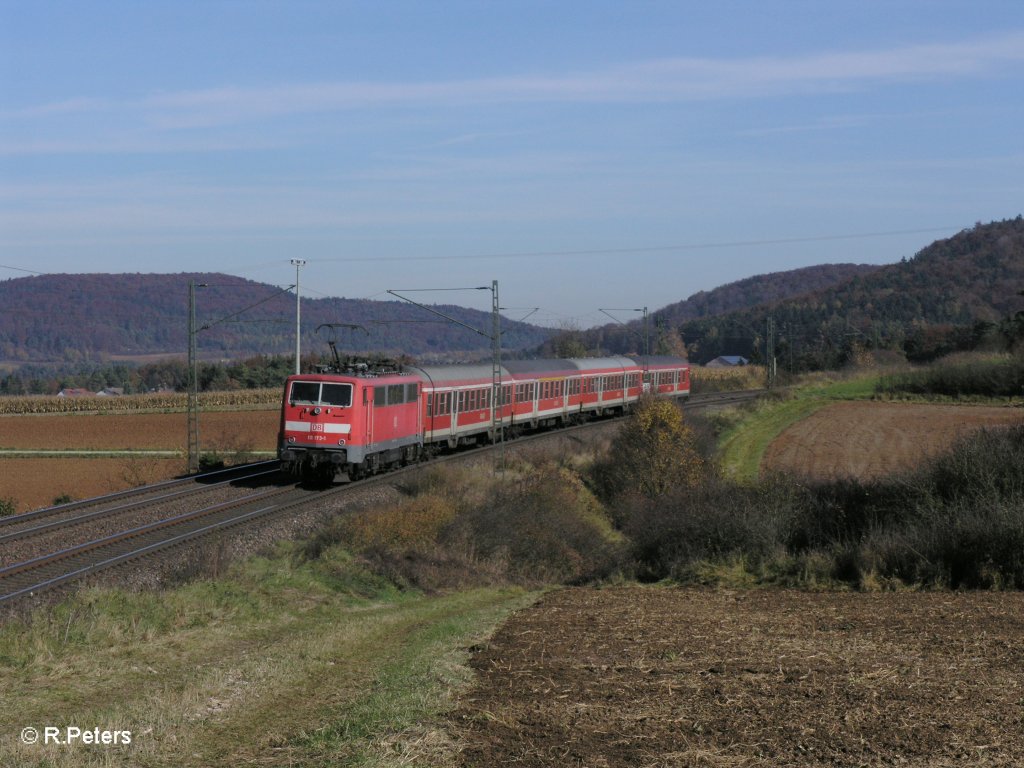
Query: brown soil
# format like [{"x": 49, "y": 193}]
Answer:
[
  {"x": 687, "y": 677},
  {"x": 36, "y": 482},
  {"x": 254, "y": 430},
  {"x": 865, "y": 439}
]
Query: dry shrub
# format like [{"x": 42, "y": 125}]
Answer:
[
  {"x": 726, "y": 379},
  {"x": 414, "y": 524},
  {"x": 676, "y": 534},
  {"x": 547, "y": 526}
]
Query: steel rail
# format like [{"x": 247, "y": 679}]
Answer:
[
  {"x": 131, "y": 492},
  {"x": 81, "y": 556},
  {"x": 68, "y": 522}
]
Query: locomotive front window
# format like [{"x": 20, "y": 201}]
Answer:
[
  {"x": 337, "y": 394},
  {"x": 305, "y": 392},
  {"x": 315, "y": 393}
]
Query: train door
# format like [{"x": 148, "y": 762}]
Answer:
[{"x": 369, "y": 405}]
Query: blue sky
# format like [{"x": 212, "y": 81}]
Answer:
[{"x": 584, "y": 154}]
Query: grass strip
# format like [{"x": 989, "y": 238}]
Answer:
[
  {"x": 278, "y": 664},
  {"x": 742, "y": 447}
]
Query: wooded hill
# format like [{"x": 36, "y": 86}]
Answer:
[
  {"x": 957, "y": 293},
  {"x": 71, "y": 318}
]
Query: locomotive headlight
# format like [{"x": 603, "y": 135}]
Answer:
[
  {"x": 341, "y": 442},
  {"x": 291, "y": 439},
  {"x": 316, "y": 411}
]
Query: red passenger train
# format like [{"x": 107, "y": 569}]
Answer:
[{"x": 362, "y": 418}]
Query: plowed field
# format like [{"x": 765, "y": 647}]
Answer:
[
  {"x": 686, "y": 677},
  {"x": 865, "y": 439},
  {"x": 36, "y": 482},
  {"x": 255, "y": 430}
]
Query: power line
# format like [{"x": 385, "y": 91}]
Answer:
[
  {"x": 22, "y": 269},
  {"x": 605, "y": 251},
  {"x": 645, "y": 249}
]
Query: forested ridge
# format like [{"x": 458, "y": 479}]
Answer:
[
  {"x": 959, "y": 293},
  {"x": 955, "y": 294},
  {"x": 94, "y": 317}
]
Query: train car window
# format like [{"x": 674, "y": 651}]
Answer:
[
  {"x": 380, "y": 397},
  {"x": 461, "y": 400},
  {"x": 430, "y": 405},
  {"x": 305, "y": 392},
  {"x": 337, "y": 394}
]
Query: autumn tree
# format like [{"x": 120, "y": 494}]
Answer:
[{"x": 654, "y": 453}]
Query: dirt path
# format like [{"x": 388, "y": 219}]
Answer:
[
  {"x": 866, "y": 439},
  {"x": 685, "y": 677}
]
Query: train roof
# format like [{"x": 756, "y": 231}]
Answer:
[
  {"x": 659, "y": 361},
  {"x": 448, "y": 374},
  {"x": 518, "y": 369},
  {"x": 601, "y": 363},
  {"x": 551, "y": 365}
]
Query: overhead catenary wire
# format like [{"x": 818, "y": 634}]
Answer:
[{"x": 639, "y": 249}]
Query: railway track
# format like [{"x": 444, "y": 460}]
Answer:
[
  {"x": 10, "y": 525},
  {"x": 92, "y": 553}
]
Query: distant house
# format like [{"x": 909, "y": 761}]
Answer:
[
  {"x": 727, "y": 361},
  {"x": 110, "y": 392},
  {"x": 74, "y": 392}
]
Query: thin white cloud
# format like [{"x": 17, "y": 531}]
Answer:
[{"x": 671, "y": 79}]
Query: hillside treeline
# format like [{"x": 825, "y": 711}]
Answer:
[
  {"x": 76, "y": 318},
  {"x": 957, "y": 294},
  {"x": 954, "y": 294}
]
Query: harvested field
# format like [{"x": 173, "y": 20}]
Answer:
[
  {"x": 640, "y": 676},
  {"x": 255, "y": 430},
  {"x": 869, "y": 439},
  {"x": 35, "y": 483}
]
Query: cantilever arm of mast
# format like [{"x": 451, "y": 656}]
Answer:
[{"x": 442, "y": 314}]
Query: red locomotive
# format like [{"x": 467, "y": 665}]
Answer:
[{"x": 361, "y": 417}]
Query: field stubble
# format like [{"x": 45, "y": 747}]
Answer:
[
  {"x": 36, "y": 482},
  {"x": 692, "y": 677}
]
